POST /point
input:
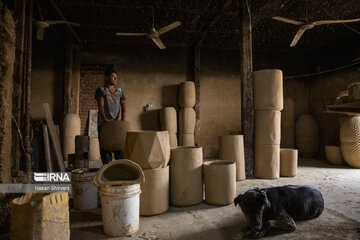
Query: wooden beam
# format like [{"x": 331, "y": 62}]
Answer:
[
  {"x": 68, "y": 75},
  {"x": 20, "y": 17},
  {"x": 197, "y": 79},
  {"x": 68, "y": 26},
  {"x": 247, "y": 99}
]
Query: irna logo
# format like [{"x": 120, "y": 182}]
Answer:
[{"x": 52, "y": 177}]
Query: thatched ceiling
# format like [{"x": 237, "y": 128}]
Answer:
[{"x": 215, "y": 23}]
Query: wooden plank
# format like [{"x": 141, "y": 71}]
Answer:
[
  {"x": 48, "y": 159},
  {"x": 54, "y": 137},
  {"x": 247, "y": 100}
]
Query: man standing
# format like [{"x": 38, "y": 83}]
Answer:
[{"x": 112, "y": 107}]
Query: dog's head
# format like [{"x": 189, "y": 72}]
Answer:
[{"x": 252, "y": 204}]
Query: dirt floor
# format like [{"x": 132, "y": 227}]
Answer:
[{"x": 340, "y": 187}]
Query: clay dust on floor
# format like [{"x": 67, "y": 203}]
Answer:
[{"x": 340, "y": 187}]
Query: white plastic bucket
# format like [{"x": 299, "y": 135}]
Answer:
[
  {"x": 85, "y": 193},
  {"x": 120, "y": 209},
  {"x": 119, "y": 183}
]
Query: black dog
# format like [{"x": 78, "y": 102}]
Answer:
[{"x": 279, "y": 207}]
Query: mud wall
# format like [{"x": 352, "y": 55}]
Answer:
[
  {"x": 220, "y": 97},
  {"x": 7, "y": 57}
]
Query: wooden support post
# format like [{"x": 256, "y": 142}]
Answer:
[
  {"x": 68, "y": 75},
  {"x": 197, "y": 79},
  {"x": 19, "y": 15},
  {"x": 247, "y": 96}
]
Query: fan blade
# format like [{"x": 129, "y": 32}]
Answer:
[
  {"x": 286, "y": 20},
  {"x": 62, "y": 22},
  {"x": 40, "y": 33},
  {"x": 169, "y": 27},
  {"x": 336, "y": 21},
  {"x": 158, "y": 43},
  {"x": 130, "y": 34},
  {"x": 297, "y": 37}
]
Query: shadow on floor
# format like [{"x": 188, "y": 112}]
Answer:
[{"x": 313, "y": 162}]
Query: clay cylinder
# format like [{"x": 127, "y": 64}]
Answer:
[
  {"x": 350, "y": 129},
  {"x": 72, "y": 125},
  {"x": 168, "y": 119},
  {"x": 94, "y": 149},
  {"x": 307, "y": 146},
  {"x": 220, "y": 182},
  {"x": 268, "y": 89},
  {"x": 113, "y": 135},
  {"x": 187, "y": 94},
  {"x": 333, "y": 155},
  {"x": 287, "y": 137},
  {"x": 154, "y": 197},
  {"x": 149, "y": 149},
  {"x": 186, "y": 187},
  {"x": 267, "y": 161},
  {"x": 267, "y": 127},
  {"x": 351, "y": 153},
  {"x": 288, "y": 113},
  {"x": 68, "y": 147},
  {"x": 173, "y": 140},
  {"x": 306, "y": 126},
  {"x": 231, "y": 148},
  {"x": 187, "y": 119},
  {"x": 186, "y": 139},
  {"x": 288, "y": 162}
]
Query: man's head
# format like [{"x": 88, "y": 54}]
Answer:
[{"x": 111, "y": 77}]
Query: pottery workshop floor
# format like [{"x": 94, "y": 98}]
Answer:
[{"x": 340, "y": 187}]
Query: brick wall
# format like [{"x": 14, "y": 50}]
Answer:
[{"x": 90, "y": 79}]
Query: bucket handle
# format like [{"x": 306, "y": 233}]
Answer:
[{"x": 98, "y": 182}]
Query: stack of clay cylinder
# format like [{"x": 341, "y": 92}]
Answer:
[
  {"x": 71, "y": 126},
  {"x": 307, "y": 135},
  {"x": 168, "y": 122},
  {"x": 151, "y": 151},
  {"x": 231, "y": 148},
  {"x": 268, "y": 102},
  {"x": 350, "y": 140},
  {"x": 186, "y": 185},
  {"x": 187, "y": 115}
]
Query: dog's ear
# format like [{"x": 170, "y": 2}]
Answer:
[{"x": 237, "y": 200}]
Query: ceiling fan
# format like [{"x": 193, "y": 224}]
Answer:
[
  {"x": 307, "y": 26},
  {"x": 42, "y": 25},
  {"x": 154, "y": 34}
]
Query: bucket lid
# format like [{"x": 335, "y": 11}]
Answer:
[{"x": 119, "y": 172}]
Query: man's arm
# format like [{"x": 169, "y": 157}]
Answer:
[
  {"x": 123, "y": 110},
  {"x": 101, "y": 108}
]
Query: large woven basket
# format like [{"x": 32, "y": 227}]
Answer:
[
  {"x": 351, "y": 153},
  {"x": 350, "y": 129}
]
